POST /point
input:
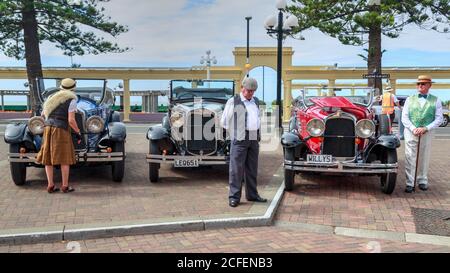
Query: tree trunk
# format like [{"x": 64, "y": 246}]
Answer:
[
  {"x": 374, "y": 54},
  {"x": 32, "y": 52}
]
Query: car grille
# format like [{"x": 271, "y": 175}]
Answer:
[
  {"x": 197, "y": 143},
  {"x": 339, "y": 137}
]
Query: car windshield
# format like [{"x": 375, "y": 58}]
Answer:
[
  {"x": 221, "y": 90},
  {"x": 86, "y": 88},
  {"x": 356, "y": 95}
]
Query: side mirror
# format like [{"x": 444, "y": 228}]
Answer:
[{"x": 120, "y": 85}]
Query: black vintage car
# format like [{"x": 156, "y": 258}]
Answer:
[
  {"x": 103, "y": 135},
  {"x": 190, "y": 134}
]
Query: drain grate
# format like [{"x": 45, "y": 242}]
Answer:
[{"x": 432, "y": 221}]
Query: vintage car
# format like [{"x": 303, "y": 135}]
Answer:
[
  {"x": 190, "y": 134},
  {"x": 338, "y": 132},
  {"x": 103, "y": 135},
  {"x": 445, "y": 118}
]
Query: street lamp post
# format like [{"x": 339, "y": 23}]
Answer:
[
  {"x": 208, "y": 60},
  {"x": 279, "y": 28},
  {"x": 247, "y": 65}
]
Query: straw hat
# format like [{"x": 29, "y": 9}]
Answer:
[
  {"x": 68, "y": 84},
  {"x": 424, "y": 79}
]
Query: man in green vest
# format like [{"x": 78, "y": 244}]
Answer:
[{"x": 422, "y": 113}]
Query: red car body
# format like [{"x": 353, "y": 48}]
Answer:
[{"x": 344, "y": 135}]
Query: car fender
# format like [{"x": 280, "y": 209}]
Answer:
[
  {"x": 290, "y": 140},
  {"x": 157, "y": 132},
  {"x": 115, "y": 116},
  {"x": 15, "y": 133},
  {"x": 383, "y": 142},
  {"x": 117, "y": 131}
]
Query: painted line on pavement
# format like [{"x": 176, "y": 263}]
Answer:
[{"x": 404, "y": 237}]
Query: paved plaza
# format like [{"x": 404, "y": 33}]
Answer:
[{"x": 321, "y": 214}]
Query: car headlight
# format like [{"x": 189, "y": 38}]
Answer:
[
  {"x": 95, "y": 124},
  {"x": 177, "y": 119},
  {"x": 365, "y": 128},
  {"x": 315, "y": 127},
  {"x": 36, "y": 125}
]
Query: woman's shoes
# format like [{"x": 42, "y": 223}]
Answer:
[
  {"x": 52, "y": 189},
  {"x": 67, "y": 189}
]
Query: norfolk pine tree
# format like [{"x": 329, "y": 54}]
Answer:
[
  {"x": 68, "y": 24},
  {"x": 364, "y": 22}
]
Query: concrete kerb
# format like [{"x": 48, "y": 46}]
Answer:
[{"x": 68, "y": 233}]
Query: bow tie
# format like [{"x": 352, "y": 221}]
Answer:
[{"x": 423, "y": 96}]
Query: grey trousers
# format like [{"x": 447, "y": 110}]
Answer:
[{"x": 243, "y": 166}]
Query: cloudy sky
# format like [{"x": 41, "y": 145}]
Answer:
[{"x": 178, "y": 32}]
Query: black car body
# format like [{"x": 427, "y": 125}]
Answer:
[
  {"x": 103, "y": 135},
  {"x": 191, "y": 134}
]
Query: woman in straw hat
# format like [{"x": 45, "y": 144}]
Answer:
[
  {"x": 422, "y": 113},
  {"x": 57, "y": 147}
]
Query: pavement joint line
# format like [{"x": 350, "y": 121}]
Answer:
[
  {"x": 65, "y": 233},
  {"x": 405, "y": 237}
]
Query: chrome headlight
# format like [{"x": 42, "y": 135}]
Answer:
[
  {"x": 365, "y": 128},
  {"x": 315, "y": 127},
  {"x": 95, "y": 124},
  {"x": 36, "y": 125},
  {"x": 177, "y": 119}
]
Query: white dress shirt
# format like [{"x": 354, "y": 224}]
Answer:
[
  {"x": 437, "y": 116},
  {"x": 253, "y": 120}
]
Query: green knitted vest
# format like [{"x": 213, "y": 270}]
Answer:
[{"x": 421, "y": 117}]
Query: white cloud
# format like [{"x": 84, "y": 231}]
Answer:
[{"x": 166, "y": 33}]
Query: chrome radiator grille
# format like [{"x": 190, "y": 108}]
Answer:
[{"x": 197, "y": 142}]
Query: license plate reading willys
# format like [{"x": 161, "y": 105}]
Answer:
[
  {"x": 185, "y": 163},
  {"x": 319, "y": 159}
]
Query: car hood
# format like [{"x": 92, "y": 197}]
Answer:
[{"x": 339, "y": 102}]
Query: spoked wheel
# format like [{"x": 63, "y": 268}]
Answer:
[
  {"x": 118, "y": 167},
  {"x": 153, "y": 168},
  {"x": 388, "y": 180}
]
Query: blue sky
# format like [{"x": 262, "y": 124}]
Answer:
[{"x": 177, "y": 33}]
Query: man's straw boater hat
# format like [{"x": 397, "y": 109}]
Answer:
[
  {"x": 424, "y": 79},
  {"x": 68, "y": 84}
]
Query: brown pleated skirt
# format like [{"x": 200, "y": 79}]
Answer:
[{"x": 57, "y": 147}]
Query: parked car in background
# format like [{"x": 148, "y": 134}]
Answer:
[
  {"x": 340, "y": 134},
  {"x": 401, "y": 99},
  {"x": 446, "y": 118},
  {"x": 190, "y": 134},
  {"x": 103, "y": 135}
]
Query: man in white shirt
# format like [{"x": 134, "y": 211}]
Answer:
[
  {"x": 241, "y": 120},
  {"x": 421, "y": 114}
]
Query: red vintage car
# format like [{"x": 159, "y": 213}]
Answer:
[{"x": 337, "y": 131}]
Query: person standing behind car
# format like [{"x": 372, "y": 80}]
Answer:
[
  {"x": 421, "y": 114},
  {"x": 57, "y": 146},
  {"x": 389, "y": 101},
  {"x": 241, "y": 119}
]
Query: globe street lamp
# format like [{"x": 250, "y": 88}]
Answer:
[
  {"x": 208, "y": 60},
  {"x": 280, "y": 28}
]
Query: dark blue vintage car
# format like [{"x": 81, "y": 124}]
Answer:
[{"x": 103, "y": 135}]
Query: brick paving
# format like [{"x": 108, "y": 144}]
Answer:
[
  {"x": 181, "y": 193},
  {"x": 239, "y": 240},
  {"x": 357, "y": 202}
]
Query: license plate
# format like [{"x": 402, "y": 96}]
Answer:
[
  {"x": 319, "y": 158},
  {"x": 186, "y": 163}
]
